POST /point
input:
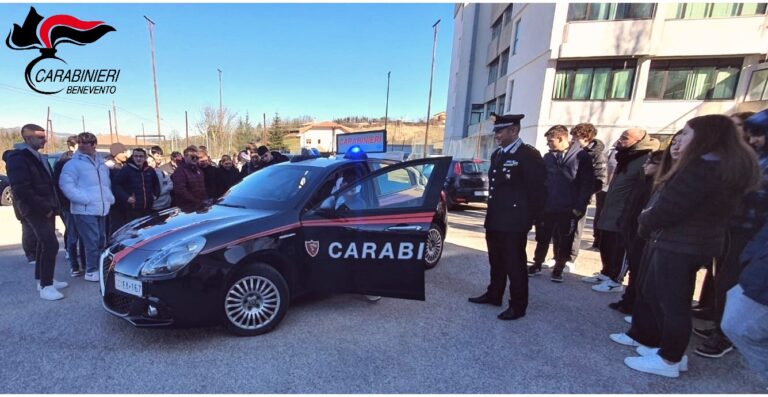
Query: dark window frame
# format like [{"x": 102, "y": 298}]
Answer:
[
  {"x": 493, "y": 76},
  {"x": 613, "y": 64},
  {"x": 682, "y": 8},
  {"x": 496, "y": 28},
  {"x": 667, "y": 65},
  {"x": 507, "y": 14},
  {"x": 763, "y": 95},
  {"x": 588, "y": 8},
  {"x": 516, "y": 36}
]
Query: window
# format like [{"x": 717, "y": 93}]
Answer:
[
  {"x": 610, "y": 11},
  {"x": 693, "y": 79},
  {"x": 757, "y": 86},
  {"x": 493, "y": 71},
  {"x": 496, "y": 29},
  {"x": 318, "y": 141},
  {"x": 308, "y": 141},
  {"x": 507, "y": 15},
  {"x": 715, "y": 10},
  {"x": 594, "y": 80},
  {"x": 490, "y": 107},
  {"x": 517, "y": 37},
  {"x": 504, "y": 63},
  {"x": 500, "y": 103},
  {"x": 477, "y": 114}
]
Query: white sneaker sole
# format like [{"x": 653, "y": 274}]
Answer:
[
  {"x": 607, "y": 291},
  {"x": 669, "y": 374},
  {"x": 644, "y": 351},
  {"x": 621, "y": 340}
]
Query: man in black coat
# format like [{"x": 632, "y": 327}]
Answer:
[
  {"x": 584, "y": 134},
  {"x": 269, "y": 158},
  {"x": 570, "y": 183},
  {"x": 135, "y": 187},
  {"x": 31, "y": 179},
  {"x": 516, "y": 198}
]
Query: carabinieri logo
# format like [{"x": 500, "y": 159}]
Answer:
[{"x": 46, "y": 36}]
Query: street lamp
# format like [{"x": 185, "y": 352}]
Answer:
[
  {"x": 221, "y": 115},
  {"x": 386, "y": 107},
  {"x": 429, "y": 101}
]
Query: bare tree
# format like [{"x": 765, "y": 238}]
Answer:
[{"x": 208, "y": 128}]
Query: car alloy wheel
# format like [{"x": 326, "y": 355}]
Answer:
[
  {"x": 7, "y": 197},
  {"x": 434, "y": 246},
  {"x": 256, "y": 301}
]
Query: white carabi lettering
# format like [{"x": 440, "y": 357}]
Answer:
[
  {"x": 420, "y": 255},
  {"x": 369, "y": 248},
  {"x": 405, "y": 251},
  {"x": 351, "y": 251},
  {"x": 387, "y": 251},
  {"x": 331, "y": 253}
]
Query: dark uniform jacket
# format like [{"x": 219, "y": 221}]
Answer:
[
  {"x": 689, "y": 214},
  {"x": 31, "y": 183},
  {"x": 570, "y": 180},
  {"x": 142, "y": 183},
  {"x": 595, "y": 150},
  {"x": 188, "y": 187},
  {"x": 517, "y": 192}
]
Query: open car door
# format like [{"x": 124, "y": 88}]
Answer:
[{"x": 370, "y": 236}]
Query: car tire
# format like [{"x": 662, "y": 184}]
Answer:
[
  {"x": 255, "y": 300},
  {"x": 435, "y": 245},
  {"x": 450, "y": 205},
  {"x": 6, "y": 198}
]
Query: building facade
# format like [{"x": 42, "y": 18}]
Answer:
[{"x": 615, "y": 65}]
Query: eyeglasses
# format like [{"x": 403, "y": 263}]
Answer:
[{"x": 193, "y": 157}]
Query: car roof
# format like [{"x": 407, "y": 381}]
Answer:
[
  {"x": 324, "y": 162},
  {"x": 468, "y": 159}
]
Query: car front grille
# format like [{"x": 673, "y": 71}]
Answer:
[{"x": 118, "y": 303}]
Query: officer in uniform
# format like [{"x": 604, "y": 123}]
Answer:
[{"x": 516, "y": 198}]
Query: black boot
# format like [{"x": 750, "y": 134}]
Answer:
[
  {"x": 486, "y": 299},
  {"x": 511, "y": 313}
]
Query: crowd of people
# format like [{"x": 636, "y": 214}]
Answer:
[
  {"x": 661, "y": 216},
  {"x": 96, "y": 194}
]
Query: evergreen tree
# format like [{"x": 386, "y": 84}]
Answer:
[
  {"x": 244, "y": 133},
  {"x": 276, "y": 133}
]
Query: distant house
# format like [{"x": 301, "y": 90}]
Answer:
[{"x": 321, "y": 136}]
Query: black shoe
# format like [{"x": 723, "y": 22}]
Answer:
[
  {"x": 557, "y": 276},
  {"x": 485, "y": 299},
  {"x": 702, "y": 313},
  {"x": 715, "y": 346},
  {"x": 705, "y": 333},
  {"x": 620, "y": 306},
  {"x": 510, "y": 314},
  {"x": 534, "y": 270}
]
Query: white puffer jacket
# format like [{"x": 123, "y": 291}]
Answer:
[{"x": 85, "y": 182}]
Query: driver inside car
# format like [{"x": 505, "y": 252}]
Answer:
[{"x": 350, "y": 200}]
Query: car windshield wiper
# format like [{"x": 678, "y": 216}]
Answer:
[{"x": 230, "y": 205}]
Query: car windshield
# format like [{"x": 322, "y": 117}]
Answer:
[
  {"x": 272, "y": 188},
  {"x": 475, "y": 167}
]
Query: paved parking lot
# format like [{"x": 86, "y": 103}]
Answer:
[{"x": 341, "y": 343}]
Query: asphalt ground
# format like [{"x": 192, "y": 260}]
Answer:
[{"x": 342, "y": 343}]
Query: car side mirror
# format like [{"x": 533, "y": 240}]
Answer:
[{"x": 329, "y": 204}]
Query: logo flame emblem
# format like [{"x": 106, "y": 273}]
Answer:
[
  {"x": 312, "y": 247},
  {"x": 51, "y": 32}
]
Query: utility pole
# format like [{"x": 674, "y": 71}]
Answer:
[
  {"x": 109, "y": 113},
  {"x": 114, "y": 111},
  {"x": 264, "y": 130},
  {"x": 221, "y": 116},
  {"x": 150, "y": 26},
  {"x": 429, "y": 101},
  {"x": 83, "y": 123},
  {"x": 386, "y": 107},
  {"x": 186, "y": 128},
  {"x": 47, "y": 126}
]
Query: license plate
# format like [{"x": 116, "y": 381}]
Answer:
[
  {"x": 127, "y": 285},
  {"x": 481, "y": 192}
]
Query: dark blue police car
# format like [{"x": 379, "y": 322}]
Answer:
[{"x": 351, "y": 225}]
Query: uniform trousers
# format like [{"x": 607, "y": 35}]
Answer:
[
  {"x": 666, "y": 293},
  {"x": 560, "y": 228},
  {"x": 47, "y": 247},
  {"x": 507, "y": 257}
]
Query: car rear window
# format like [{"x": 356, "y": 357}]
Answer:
[{"x": 475, "y": 167}]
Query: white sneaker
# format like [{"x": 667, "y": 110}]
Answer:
[
  {"x": 50, "y": 294},
  {"x": 624, "y": 339},
  {"x": 33, "y": 263},
  {"x": 549, "y": 263},
  {"x": 570, "y": 267},
  {"x": 56, "y": 284},
  {"x": 373, "y": 298},
  {"x": 94, "y": 276},
  {"x": 628, "y": 319},
  {"x": 649, "y": 351},
  {"x": 653, "y": 364},
  {"x": 608, "y": 286},
  {"x": 595, "y": 278}
]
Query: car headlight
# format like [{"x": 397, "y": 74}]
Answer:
[{"x": 173, "y": 258}]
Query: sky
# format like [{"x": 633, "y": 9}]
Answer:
[{"x": 320, "y": 60}]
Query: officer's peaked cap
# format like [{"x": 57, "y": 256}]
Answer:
[{"x": 507, "y": 120}]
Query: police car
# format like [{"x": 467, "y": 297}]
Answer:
[{"x": 351, "y": 225}]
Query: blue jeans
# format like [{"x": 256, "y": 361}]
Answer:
[
  {"x": 745, "y": 323},
  {"x": 92, "y": 229},
  {"x": 72, "y": 240}
]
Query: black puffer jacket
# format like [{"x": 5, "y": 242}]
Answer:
[
  {"x": 31, "y": 183},
  {"x": 689, "y": 215},
  {"x": 595, "y": 150},
  {"x": 141, "y": 182}
]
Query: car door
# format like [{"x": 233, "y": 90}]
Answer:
[{"x": 370, "y": 236}]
